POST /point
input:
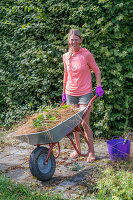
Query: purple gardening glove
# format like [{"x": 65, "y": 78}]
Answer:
[
  {"x": 99, "y": 91},
  {"x": 63, "y": 97}
]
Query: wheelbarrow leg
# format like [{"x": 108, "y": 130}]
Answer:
[
  {"x": 50, "y": 150},
  {"x": 78, "y": 129}
]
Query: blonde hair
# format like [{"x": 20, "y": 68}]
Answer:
[{"x": 72, "y": 32}]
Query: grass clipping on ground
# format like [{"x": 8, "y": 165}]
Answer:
[{"x": 47, "y": 119}]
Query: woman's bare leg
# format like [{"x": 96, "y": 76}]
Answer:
[{"x": 89, "y": 134}]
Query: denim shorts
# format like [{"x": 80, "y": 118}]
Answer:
[{"x": 78, "y": 100}]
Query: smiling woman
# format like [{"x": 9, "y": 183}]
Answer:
[{"x": 77, "y": 83}]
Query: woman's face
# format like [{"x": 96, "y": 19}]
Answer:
[{"x": 74, "y": 42}]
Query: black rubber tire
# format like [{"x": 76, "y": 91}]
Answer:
[{"x": 38, "y": 169}]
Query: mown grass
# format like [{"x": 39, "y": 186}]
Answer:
[{"x": 16, "y": 191}]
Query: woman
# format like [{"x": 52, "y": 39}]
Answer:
[{"x": 77, "y": 84}]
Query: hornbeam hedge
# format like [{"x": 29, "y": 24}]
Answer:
[{"x": 33, "y": 37}]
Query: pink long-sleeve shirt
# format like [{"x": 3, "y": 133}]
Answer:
[{"x": 77, "y": 72}]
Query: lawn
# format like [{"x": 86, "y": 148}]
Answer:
[{"x": 16, "y": 191}]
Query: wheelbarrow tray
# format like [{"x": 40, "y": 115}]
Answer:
[{"x": 54, "y": 134}]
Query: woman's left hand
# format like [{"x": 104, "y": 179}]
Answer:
[
  {"x": 99, "y": 91},
  {"x": 63, "y": 97}
]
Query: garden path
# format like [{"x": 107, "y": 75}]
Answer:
[{"x": 72, "y": 178}]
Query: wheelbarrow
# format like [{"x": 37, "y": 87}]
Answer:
[{"x": 42, "y": 161}]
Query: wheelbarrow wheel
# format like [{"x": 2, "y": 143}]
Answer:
[{"x": 41, "y": 171}]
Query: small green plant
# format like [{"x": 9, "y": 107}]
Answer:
[
  {"x": 2, "y": 143},
  {"x": 116, "y": 182},
  {"x": 45, "y": 119},
  {"x": 77, "y": 167}
]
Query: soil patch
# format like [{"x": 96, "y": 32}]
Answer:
[{"x": 45, "y": 120}]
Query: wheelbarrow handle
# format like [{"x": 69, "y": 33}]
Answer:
[{"x": 62, "y": 104}]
